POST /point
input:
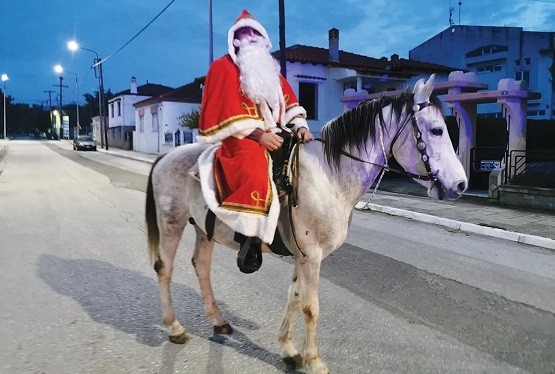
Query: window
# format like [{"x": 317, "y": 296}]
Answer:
[
  {"x": 487, "y": 50},
  {"x": 308, "y": 98},
  {"x": 527, "y": 61},
  {"x": 112, "y": 110},
  {"x": 517, "y": 62},
  {"x": 142, "y": 123},
  {"x": 119, "y": 108},
  {"x": 187, "y": 136},
  {"x": 154, "y": 122},
  {"x": 168, "y": 138},
  {"x": 523, "y": 76},
  {"x": 488, "y": 68}
]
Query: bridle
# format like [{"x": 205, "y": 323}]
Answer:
[{"x": 420, "y": 145}]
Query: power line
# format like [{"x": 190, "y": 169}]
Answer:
[{"x": 137, "y": 34}]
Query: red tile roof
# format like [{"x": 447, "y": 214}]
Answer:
[
  {"x": 149, "y": 89},
  {"x": 362, "y": 64}
]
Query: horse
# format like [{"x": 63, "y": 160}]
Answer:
[{"x": 333, "y": 175}]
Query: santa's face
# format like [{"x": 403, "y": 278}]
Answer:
[{"x": 245, "y": 32}]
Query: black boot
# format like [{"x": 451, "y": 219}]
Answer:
[{"x": 249, "y": 258}]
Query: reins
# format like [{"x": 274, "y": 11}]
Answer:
[{"x": 420, "y": 144}]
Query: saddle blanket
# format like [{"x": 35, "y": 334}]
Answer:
[{"x": 247, "y": 205}]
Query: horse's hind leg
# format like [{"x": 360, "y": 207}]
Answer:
[
  {"x": 170, "y": 235},
  {"x": 202, "y": 262},
  {"x": 289, "y": 352}
]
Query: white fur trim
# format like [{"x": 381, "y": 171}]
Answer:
[
  {"x": 248, "y": 224},
  {"x": 240, "y": 129},
  {"x": 245, "y": 22},
  {"x": 297, "y": 116}
]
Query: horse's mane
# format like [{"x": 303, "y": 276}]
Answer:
[{"x": 353, "y": 128}]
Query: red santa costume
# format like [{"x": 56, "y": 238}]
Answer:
[{"x": 235, "y": 172}]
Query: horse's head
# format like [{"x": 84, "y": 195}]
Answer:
[{"x": 424, "y": 147}]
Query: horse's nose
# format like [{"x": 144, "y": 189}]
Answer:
[{"x": 461, "y": 186}]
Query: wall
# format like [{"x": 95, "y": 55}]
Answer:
[
  {"x": 154, "y": 142},
  {"x": 528, "y": 197},
  {"x": 127, "y": 117}
]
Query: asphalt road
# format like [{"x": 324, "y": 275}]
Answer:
[{"x": 79, "y": 294}]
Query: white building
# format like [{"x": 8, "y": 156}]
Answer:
[
  {"x": 494, "y": 53},
  {"x": 121, "y": 112},
  {"x": 157, "y": 120}
]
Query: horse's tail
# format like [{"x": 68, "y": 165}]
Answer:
[{"x": 151, "y": 220}]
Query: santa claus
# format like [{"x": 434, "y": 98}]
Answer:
[{"x": 245, "y": 104}]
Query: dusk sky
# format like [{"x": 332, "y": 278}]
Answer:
[{"x": 173, "y": 50}]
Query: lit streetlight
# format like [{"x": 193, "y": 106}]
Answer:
[
  {"x": 4, "y": 79},
  {"x": 59, "y": 69},
  {"x": 72, "y": 45}
]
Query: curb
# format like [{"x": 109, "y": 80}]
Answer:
[
  {"x": 537, "y": 241},
  {"x": 130, "y": 157}
]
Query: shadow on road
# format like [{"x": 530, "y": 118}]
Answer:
[{"x": 129, "y": 302}]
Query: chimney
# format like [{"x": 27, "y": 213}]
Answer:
[
  {"x": 333, "y": 36},
  {"x": 133, "y": 88}
]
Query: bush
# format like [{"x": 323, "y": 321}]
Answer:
[{"x": 190, "y": 120}]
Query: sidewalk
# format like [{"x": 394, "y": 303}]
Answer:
[{"x": 473, "y": 213}]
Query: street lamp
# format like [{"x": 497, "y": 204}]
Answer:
[
  {"x": 72, "y": 45},
  {"x": 4, "y": 79},
  {"x": 59, "y": 69}
]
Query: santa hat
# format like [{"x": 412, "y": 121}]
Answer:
[{"x": 245, "y": 19}]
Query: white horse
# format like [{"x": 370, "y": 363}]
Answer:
[{"x": 332, "y": 177}]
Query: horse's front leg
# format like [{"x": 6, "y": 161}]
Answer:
[
  {"x": 202, "y": 262},
  {"x": 289, "y": 352},
  {"x": 308, "y": 270}
]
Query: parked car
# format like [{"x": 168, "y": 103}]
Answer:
[{"x": 84, "y": 142}]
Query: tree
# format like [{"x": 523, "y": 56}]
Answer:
[{"x": 190, "y": 120}]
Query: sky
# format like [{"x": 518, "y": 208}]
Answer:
[{"x": 174, "y": 49}]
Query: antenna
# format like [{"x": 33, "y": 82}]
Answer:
[
  {"x": 451, "y": 10},
  {"x": 460, "y": 5}
]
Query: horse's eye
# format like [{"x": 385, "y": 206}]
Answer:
[{"x": 437, "y": 131}]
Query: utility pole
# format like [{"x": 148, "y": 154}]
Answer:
[
  {"x": 103, "y": 124},
  {"x": 210, "y": 35},
  {"x": 50, "y": 92},
  {"x": 61, "y": 114},
  {"x": 282, "y": 56}
]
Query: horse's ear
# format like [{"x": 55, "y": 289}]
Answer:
[
  {"x": 424, "y": 91},
  {"x": 418, "y": 86}
]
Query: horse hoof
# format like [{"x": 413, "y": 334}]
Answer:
[
  {"x": 294, "y": 362},
  {"x": 223, "y": 329},
  {"x": 179, "y": 339}
]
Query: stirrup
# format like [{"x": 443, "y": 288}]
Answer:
[{"x": 249, "y": 258}]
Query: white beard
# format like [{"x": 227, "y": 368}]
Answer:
[{"x": 259, "y": 72}]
